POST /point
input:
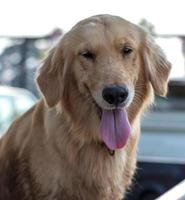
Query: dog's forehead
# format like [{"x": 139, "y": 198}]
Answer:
[{"x": 101, "y": 29}]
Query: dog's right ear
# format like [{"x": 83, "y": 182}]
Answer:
[
  {"x": 157, "y": 66},
  {"x": 49, "y": 78}
]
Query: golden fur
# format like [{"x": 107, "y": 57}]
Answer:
[{"x": 54, "y": 151}]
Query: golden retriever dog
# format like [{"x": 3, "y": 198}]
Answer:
[{"x": 79, "y": 141}]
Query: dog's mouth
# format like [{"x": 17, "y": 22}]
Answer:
[{"x": 115, "y": 128}]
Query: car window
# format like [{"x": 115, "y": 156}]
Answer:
[
  {"x": 6, "y": 112},
  {"x": 169, "y": 104},
  {"x": 175, "y": 100}
]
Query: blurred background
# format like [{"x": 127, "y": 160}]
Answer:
[{"x": 28, "y": 29}]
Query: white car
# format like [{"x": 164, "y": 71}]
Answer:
[{"x": 13, "y": 103}]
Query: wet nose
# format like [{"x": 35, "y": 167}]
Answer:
[{"x": 115, "y": 95}]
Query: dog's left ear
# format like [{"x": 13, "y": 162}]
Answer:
[
  {"x": 49, "y": 78},
  {"x": 156, "y": 65}
]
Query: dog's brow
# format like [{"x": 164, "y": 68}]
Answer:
[
  {"x": 125, "y": 40},
  {"x": 87, "y": 46}
]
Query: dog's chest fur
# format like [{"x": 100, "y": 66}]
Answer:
[
  {"x": 94, "y": 173},
  {"x": 61, "y": 171}
]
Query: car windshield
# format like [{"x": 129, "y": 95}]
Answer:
[
  {"x": 23, "y": 103},
  {"x": 7, "y": 112},
  {"x": 12, "y": 107}
]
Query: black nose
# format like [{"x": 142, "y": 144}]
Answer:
[{"x": 115, "y": 95}]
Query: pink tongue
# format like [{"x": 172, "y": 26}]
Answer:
[{"x": 115, "y": 128}]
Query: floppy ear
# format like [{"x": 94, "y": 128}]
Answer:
[
  {"x": 157, "y": 66},
  {"x": 49, "y": 78}
]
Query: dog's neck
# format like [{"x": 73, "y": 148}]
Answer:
[
  {"x": 111, "y": 152},
  {"x": 76, "y": 155}
]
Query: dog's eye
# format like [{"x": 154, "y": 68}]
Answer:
[
  {"x": 88, "y": 55},
  {"x": 127, "y": 51}
]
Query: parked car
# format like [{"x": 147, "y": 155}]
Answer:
[
  {"x": 161, "y": 155},
  {"x": 13, "y": 103}
]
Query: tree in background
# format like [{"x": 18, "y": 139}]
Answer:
[{"x": 22, "y": 56}]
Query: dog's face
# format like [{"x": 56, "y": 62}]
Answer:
[
  {"x": 107, "y": 63},
  {"x": 103, "y": 65}
]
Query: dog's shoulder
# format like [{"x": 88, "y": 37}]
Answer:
[
  {"x": 16, "y": 180},
  {"x": 9, "y": 175}
]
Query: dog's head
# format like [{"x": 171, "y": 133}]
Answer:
[{"x": 101, "y": 72}]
